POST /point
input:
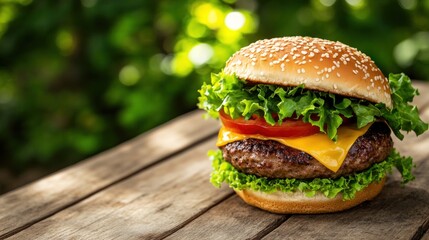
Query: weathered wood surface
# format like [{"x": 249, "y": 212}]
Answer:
[
  {"x": 156, "y": 186},
  {"x": 43, "y": 198},
  {"x": 140, "y": 207}
]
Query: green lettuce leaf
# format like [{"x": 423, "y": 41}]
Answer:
[
  {"x": 237, "y": 99},
  {"x": 347, "y": 186},
  {"x": 403, "y": 116}
]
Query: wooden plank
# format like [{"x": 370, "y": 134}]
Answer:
[
  {"x": 395, "y": 215},
  {"x": 234, "y": 220},
  {"x": 25, "y": 206},
  {"x": 149, "y": 205},
  {"x": 426, "y": 235}
]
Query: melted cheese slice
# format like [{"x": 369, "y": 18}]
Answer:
[{"x": 329, "y": 153}]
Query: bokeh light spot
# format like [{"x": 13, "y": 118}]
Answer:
[
  {"x": 195, "y": 29},
  {"x": 408, "y": 4},
  {"x": 327, "y": 3},
  {"x": 65, "y": 42},
  {"x": 405, "y": 52},
  {"x": 200, "y": 54},
  {"x": 88, "y": 3},
  {"x": 129, "y": 75},
  {"x": 180, "y": 65},
  {"x": 356, "y": 4},
  {"x": 235, "y": 20},
  {"x": 209, "y": 15}
]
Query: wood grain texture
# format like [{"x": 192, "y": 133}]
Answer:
[
  {"x": 395, "y": 214},
  {"x": 149, "y": 205},
  {"x": 426, "y": 235},
  {"x": 50, "y": 195},
  {"x": 234, "y": 220}
]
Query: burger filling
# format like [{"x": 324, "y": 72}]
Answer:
[
  {"x": 271, "y": 159},
  {"x": 347, "y": 186}
]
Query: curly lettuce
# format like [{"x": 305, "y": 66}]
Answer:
[
  {"x": 238, "y": 99},
  {"x": 347, "y": 186}
]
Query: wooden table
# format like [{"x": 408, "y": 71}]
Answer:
[{"x": 157, "y": 186}]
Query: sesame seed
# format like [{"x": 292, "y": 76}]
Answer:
[
  {"x": 337, "y": 63},
  {"x": 284, "y": 57}
]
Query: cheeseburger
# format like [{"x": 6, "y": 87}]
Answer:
[{"x": 306, "y": 125}]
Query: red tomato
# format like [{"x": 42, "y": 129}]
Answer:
[{"x": 258, "y": 125}]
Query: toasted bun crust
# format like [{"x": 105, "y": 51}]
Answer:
[
  {"x": 319, "y": 64},
  {"x": 293, "y": 203}
]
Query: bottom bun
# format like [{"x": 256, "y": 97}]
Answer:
[{"x": 297, "y": 202}]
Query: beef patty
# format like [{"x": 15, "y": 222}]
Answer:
[{"x": 268, "y": 158}]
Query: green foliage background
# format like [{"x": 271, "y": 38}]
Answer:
[{"x": 78, "y": 77}]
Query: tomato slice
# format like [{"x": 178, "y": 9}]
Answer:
[{"x": 257, "y": 125}]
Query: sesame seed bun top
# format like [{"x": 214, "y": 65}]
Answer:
[{"x": 319, "y": 64}]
